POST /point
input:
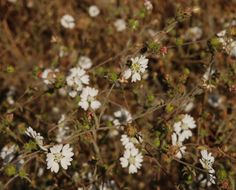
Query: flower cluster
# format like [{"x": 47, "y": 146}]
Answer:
[
  {"x": 228, "y": 43},
  {"x": 207, "y": 161},
  {"x": 132, "y": 158},
  {"x": 119, "y": 119},
  {"x": 75, "y": 81},
  {"x": 88, "y": 99},
  {"x": 137, "y": 68},
  {"x": 58, "y": 153},
  {"x": 182, "y": 131}
]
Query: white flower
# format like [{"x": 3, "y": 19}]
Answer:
[
  {"x": 189, "y": 106},
  {"x": 183, "y": 127},
  {"x": 122, "y": 116},
  {"x": 75, "y": 80},
  {"x": 215, "y": 100},
  {"x": 222, "y": 38},
  {"x": 120, "y": 25},
  {"x": 40, "y": 172},
  {"x": 36, "y": 136},
  {"x": 62, "y": 129},
  {"x": 209, "y": 72},
  {"x": 228, "y": 43},
  {"x": 85, "y": 62},
  {"x": 8, "y": 153},
  {"x": 49, "y": 76},
  {"x": 59, "y": 155},
  {"x": 206, "y": 182},
  {"x": 132, "y": 159},
  {"x": 148, "y": 5},
  {"x": 207, "y": 161},
  {"x": 88, "y": 99},
  {"x": 233, "y": 49},
  {"x": 212, "y": 179},
  {"x": 93, "y": 11},
  {"x": 194, "y": 33},
  {"x": 67, "y": 21},
  {"x": 62, "y": 119},
  {"x": 63, "y": 51},
  {"x": 128, "y": 142},
  {"x": 138, "y": 67},
  {"x": 10, "y": 94},
  {"x": 178, "y": 144},
  {"x": 182, "y": 131},
  {"x": 12, "y": 1}
]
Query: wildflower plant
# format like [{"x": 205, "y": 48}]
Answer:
[{"x": 117, "y": 95}]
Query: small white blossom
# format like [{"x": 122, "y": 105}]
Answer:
[
  {"x": 88, "y": 99},
  {"x": 62, "y": 92},
  {"x": 183, "y": 127},
  {"x": 215, "y": 100},
  {"x": 189, "y": 106},
  {"x": 62, "y": 129},
  {"x": 120, "y": 25},
  {"x": 75, "y": 81},
  {"x": 49, "y": 76},
  {"x": 182, "y": 131},
  {"x": 129, "y": 142},
  {"x": 137, "y": 68},
  {"x": 122, "y": 116},
  {"x": 132, "y": 160},
  {"x": 63, "y": 51},
  {"x": 178, "y": 144},
  {"x": 209, "y": 72},
  {"x": 148, "y": 5},
  {"x": 67, "y": 21},
  {"x": 207, "y": 161},
  {"x": 194, "y": 33},
  {"x": 204, "y": 182},
  {"x": 228, "y": 43},
  {"x": 108, "y": 185},
  {"x": 10, "y": 94},
  {"x": 36, "y": 136},
  {"x": 8, "y": 153},
  {"x": 12, "y": 1},
  {"x": 126, "y": 142},
  {"x": 59, "y": 155},
  {"x": 40, "y": 172},
  {"x": 85, "y": 62},
  {"x": 233, "y": 49},
  {"x": 93, "y": 11}
]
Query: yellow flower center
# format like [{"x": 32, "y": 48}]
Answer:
[
  {"x": 135, "y": 67},
  {"x": 58, "y": 157},
  {"x": 132, "y": 160}
]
